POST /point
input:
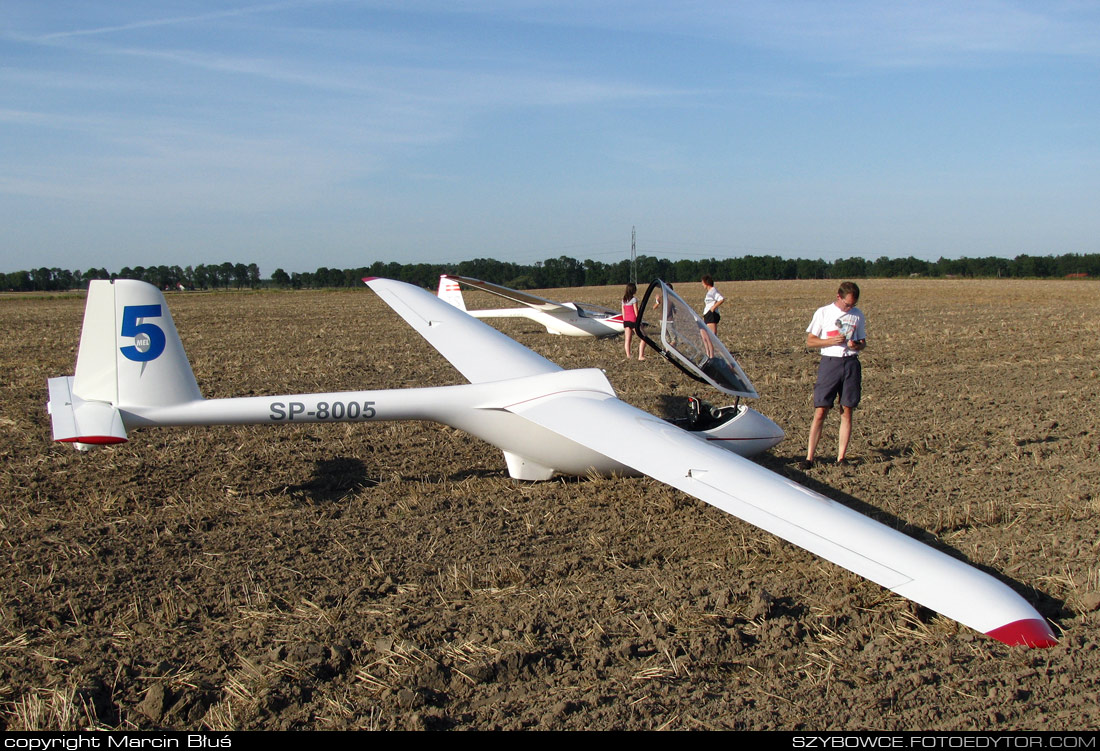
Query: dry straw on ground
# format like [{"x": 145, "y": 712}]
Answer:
[{"x": 392, "y": 576}]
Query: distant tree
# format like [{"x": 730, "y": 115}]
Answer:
[
  {"x": 950, "y": 267},
  {"x": 685, "y": 270},
  {"x": 201, "y": 277},
  {"x": 525, "y": 281},
  {"x": 354, "y": 277},
  {"x": 560, "y": 272},
  {"x": 17, "y": 281},
  {"x": 618, "y": 273},
  {"x": 807, "y": 269},
  {"x": 240, "y": 275},
  {"x": 162, "y": 277},
  {"x": 280, "y": 278},
  {"x": 1034, "y": 266},
  {"x": 488, "y": 270},
  {"x": 650, "y": 268},
  {"x": 849, "y": 268},
  {"x": 64, "y": 279},
  {"x": 1076, "y": 263},
  {"x": 225, "y": 274},
  {"x": 595, "y": 273}
]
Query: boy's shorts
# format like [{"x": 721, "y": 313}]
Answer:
[{"x": 838, "y": 376}]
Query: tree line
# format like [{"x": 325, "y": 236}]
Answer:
[
  {"x": 220, "y": 276},
  {"x": 564, "y": 272}
]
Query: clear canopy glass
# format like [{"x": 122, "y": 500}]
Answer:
[{"x": 688, "y": 341}]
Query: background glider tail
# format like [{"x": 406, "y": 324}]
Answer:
[
  {"x": 130, "y": 356},
  {"x": 450, "y": 291}
]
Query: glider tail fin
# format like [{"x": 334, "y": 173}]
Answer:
[
  {"x": 450, "y": 291},
  {"x": 130, "y": 356}
]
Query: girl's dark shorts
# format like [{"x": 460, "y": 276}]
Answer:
[
  {"x": 712, "y": 317},
  {"x": 838, "y": 376},
  {"x": 630, "y": 324}
]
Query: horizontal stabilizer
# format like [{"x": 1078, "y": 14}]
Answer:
[{"x": 85, "y": 423}]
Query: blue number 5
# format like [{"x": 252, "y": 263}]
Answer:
[{"x": 148, "y": 337}]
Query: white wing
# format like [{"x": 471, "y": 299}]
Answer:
[
  {"x": 797, "y": 514},
  {"x": 479, "y": 352},
  {"x": 609, "y": 427},
  {"x": 513, "y": 295},
  {"x": 565, "y": 311}
]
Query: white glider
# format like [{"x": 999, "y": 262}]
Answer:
[
  {"x": 131, "y": 372},
  {"x": 566, "y": 318}
]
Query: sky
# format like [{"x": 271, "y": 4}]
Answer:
[{"x": 309, "y": 133}]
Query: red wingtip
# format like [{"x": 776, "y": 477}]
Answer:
[
  {"x": 369, "y": 279},
  {"x": 1030, "y": 632}
]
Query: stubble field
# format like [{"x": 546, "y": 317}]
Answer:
[{"x": 391, "y": 576}]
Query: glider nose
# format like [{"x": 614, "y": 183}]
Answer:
[{"x": 1029, "y": 632}]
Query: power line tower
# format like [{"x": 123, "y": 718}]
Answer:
[{"x": 633, "y": 256}]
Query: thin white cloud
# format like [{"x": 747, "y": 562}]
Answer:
[
  {"x": 232, "y": 112},
  {"x": 246, "y": 10},
  {"x": 865, "y": 31},
  {"x": 933, "y": 32}
]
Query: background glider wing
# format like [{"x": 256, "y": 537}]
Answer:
[
  {"x": 565, "y": 311},
  {"x": 478, "y": 352},
  {"x": 797, "y": 514},
  {"x": 534, "y": 301}
]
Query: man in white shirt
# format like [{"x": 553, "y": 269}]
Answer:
[{"x": 839, "y": 331}]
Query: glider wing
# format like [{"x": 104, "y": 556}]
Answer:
[
  {"x": 523, "y": 298},
  {"x": 478, "y": 352},
  {"x": 565, "y": 311},
  {"x": 784, "y": 508}
]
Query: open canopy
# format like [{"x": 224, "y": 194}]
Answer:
[{"x": 688, "y": 344}]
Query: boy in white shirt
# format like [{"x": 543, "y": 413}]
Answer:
[{"x": 839, "y": 331}]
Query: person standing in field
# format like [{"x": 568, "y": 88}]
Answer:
[
  {"x": 711, "y": 302},
  {"x": 711, "y": 316},
  {"x": 630, "y": 320},
  {"x": 839, "y": 330}
]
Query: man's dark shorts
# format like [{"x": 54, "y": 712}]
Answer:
[{"x": 838, "y": 376}]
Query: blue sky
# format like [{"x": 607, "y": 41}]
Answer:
[{"x": 311, "y": 133}]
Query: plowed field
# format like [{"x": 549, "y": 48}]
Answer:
[{"x": 392, "y": 576}]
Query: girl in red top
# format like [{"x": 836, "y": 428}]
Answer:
[{"x": 630, "y": 319}]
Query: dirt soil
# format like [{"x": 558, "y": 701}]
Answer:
[{"x": 392, "y": 576}]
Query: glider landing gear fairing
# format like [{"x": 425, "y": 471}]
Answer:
[{"x": 132, "y": 372}]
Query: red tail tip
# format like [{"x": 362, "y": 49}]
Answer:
[
  {"x": 1030, "y": 632},
  {"x": 96, "y": 440}
]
